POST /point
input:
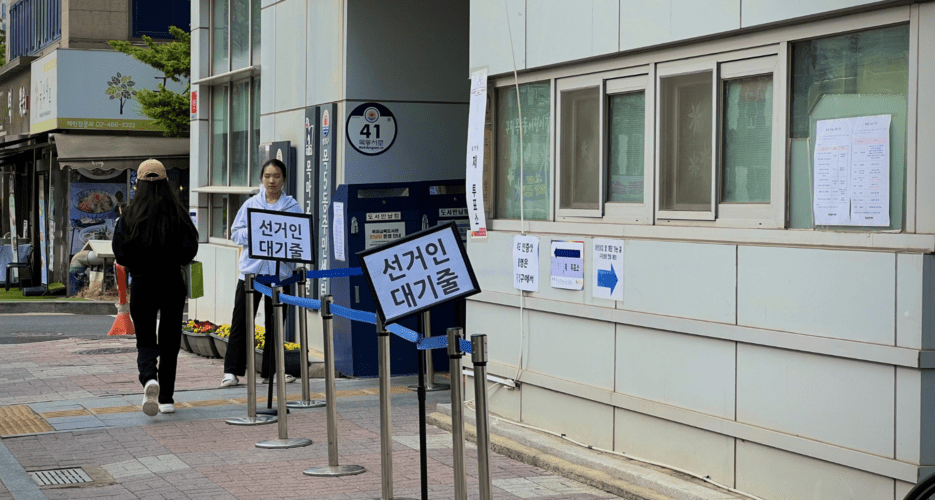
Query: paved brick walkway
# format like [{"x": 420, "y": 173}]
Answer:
[{"x": 91, "y": 403}]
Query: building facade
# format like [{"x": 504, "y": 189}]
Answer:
[{"x": 774, "y": 326}]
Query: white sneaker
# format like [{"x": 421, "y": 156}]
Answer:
[
  {"x": 229, "y": 380},
  {"x": 288, "y": 378},
  {"x": 150, "y": 398},
  {"x": 167, "y": 408}
]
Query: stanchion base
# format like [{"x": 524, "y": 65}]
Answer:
[
  {"x": 257, "y": 420},
  {"x": 430, "y": 388},
  {"x": 315, "y": 403},
  {"x": 335, "y": 470},
  {"x": 270, "y": 411},
  {"x": 270, "y": 444}
]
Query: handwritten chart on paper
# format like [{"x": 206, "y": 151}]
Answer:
[{"x": 852, "y": 171}]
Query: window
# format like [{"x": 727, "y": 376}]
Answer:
[
  {"x": 534, "y": 172},
  {"x": 580, "y": 151},
  {"x": 629, "y": 168},
  {"x": 153, "y": 19},
  {"x": 720, "y": 141},
  {"x": 234, "y": 108},
  {"x": 857, "y": 74},
  {"x": 34, "y": 25}
]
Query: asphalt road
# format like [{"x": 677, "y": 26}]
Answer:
[{"x": 22, "y": 328}]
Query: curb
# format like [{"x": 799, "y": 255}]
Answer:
[
  {"x": 603, "y": 468},
  {"x": 90, "y": 307}
]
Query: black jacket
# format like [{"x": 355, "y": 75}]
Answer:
[{"x": 141, "y": 259}]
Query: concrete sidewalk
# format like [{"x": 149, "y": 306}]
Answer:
[{"x": 75, "y": 404}]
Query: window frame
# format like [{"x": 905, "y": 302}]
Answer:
[
  {"x": 633, "y": 213},
  {"x": 567, "y": 85}
]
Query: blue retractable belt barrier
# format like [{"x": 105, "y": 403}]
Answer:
[{"x": 259, "y": 284}]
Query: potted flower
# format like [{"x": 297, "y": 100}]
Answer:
[
  {"x": 186, "y": 327},
  {"x": 220, "y": 337},
  {"x": 291, "y": 353},
  {"x": 199, "y": 340}
]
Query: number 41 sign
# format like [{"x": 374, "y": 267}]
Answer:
[{"x": 418, "y": 272}]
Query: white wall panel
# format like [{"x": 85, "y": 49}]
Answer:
[
  {"x": 288, "y": 77},
  {"x": 200, "y": 15},
  {"x": 268, "y": 128},
  {"x": 834, "y": 400},
  {"x": 644, "y": 23},
  {"x": 207, "y": 255},
  {"x": 925, "y": 156},
  {"x": 200, "y": 52},
  {"x": 490, "y": 35},
  {"x": 492, "y": 261},
  {"x": 324, "y": 65},
  {"x": 687, "y": 280},
  {"x": 909, "y": 305},
  {"x": 902, "y": 489},
  {"x": 690, "y": 372},
  {"x": 674, "y": 444},
  {"x": 413, "y": 50},
  {"x": 501, "y": 325},
  {"x": 772, "y": 473},
  {"x": 559, "y": 31},
  {"x": 757, "y": 12},
  {"x": 571, "y": 348},
  {"x": 500, "y": 401},
  {"x": 908, "y": 414},
  {"x": 590, "y": 422},
  {"x": 268, "y": 60},
  {"x": 228, "y": 275},
  {"x": 831, "y": 293}
]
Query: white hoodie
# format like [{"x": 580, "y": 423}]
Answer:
[{"x": 239, "y": 234}]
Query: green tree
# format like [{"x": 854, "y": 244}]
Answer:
[
  {"x": 165, "y": 107},
  {"x": 2, "y": 48}
]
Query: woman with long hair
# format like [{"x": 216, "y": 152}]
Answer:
[
  {"x": 153, "y": 239},
  {"x": 271, "y": 197}
]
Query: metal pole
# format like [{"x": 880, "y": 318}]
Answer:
[
  {"x": 302, "y": 334},
  {"x": 423, "y": 444},
  {"x": 386, "y": 424},
  {"x": 479, "y": 358},
  {"x": 283, "y": 441},
  {"x": 457, "y": 409},
  {"x": 430, "y": 386},
  {"x": 331, "y": 410},
  {"x": 251, "y": 418}
]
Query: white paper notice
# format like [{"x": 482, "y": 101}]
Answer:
[
  {"x": 338, "y": 231},
  {"x": 567, "y": 265},
  {"x": 852, "y": 171},
  {"x": 607, "y": 276},
  {"x": 475, "y": 154},
  {"x": 526, "y": 263}
]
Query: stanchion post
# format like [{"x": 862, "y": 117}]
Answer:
[
  {"x": 457, "y": 409},
  {"x": 283, "y": 441},
  {"x": 302, "y": 334},
  {"x": 479, "y": 358},
  {"x": 430, "y": 385},
  {"x": 251, "y": 418},
  {"x": 332, "y": 469}
]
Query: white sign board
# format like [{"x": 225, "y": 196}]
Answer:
[
  {"x": 852, "y": 171},
  {"x": 568, "y": 265},
  {"x": 526, "y": 263},
  {"x": 607, "y": 274},
  {"x": 418, "y": 272},
  {"x": 338, "y": 229},
  {"x": 277, "y": 235},
  {"x": 376, "y": 235},
  {"x": 475, "y": 154}
]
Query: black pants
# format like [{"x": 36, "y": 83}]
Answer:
[
  {"x": 165, "y": 294},
  {"x": 235, "y": 361}
]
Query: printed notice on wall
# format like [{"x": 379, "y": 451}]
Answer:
[
  {"x": 338, "y": 230},
  {"x": 852, "y": 171},
  {"x": 567, "y": 265},
  {"x": 607, "y": 269},
  {"x": 380, "y": 234},
  {"x": 526, "y": 263},
  {"x": 475, "y": 154}
]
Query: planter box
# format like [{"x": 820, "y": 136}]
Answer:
[
  {"x": 185, "y": 346},
  {"x": 220, "y": 345},
  {"x": 293, "y": 367},
  {"x": 202, "y": 345}
]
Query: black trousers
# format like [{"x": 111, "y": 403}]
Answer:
[
  {"x": 235, "y": 361},
  {"x": 163, "y": 294}
]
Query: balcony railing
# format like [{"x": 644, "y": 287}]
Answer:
[{"x": 34, "y": 24}]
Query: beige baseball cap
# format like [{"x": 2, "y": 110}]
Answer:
[{"x": 151, "y": 170}]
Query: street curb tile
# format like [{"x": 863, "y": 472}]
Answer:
[
  {"x": 114, "y": 409},
  {"x": 20, "y": 419},
  {"x": 525, "y": 454},
  {"x": 64, "y": 413}
]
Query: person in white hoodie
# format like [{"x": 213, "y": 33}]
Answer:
[{"x": 270, "y": 197}]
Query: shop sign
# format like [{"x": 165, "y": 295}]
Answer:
[{"x": 14, "y": 106}]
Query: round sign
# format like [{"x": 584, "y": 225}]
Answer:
[{"x": 371, "y": 128}]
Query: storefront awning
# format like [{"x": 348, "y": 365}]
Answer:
[{"x": 119, "y": 152}]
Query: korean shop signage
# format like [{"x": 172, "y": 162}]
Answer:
[
  {"x": 278, "y": 235},
  {"x": 14, "y": 105},
  {"x": 417, "y": 272}
]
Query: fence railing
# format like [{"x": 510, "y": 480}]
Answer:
[{"x": 33, "y": 25}]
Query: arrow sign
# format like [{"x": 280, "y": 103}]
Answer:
[
  {"x": 607, "y": 279},
  {"x": 607, "y": 261}
]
